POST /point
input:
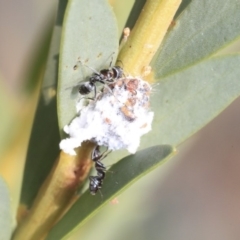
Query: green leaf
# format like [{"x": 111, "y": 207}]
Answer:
[
  {"x": 90, "y": 36},
  {"x": 120, "y": 176},
  {"x": 5, "y": 212},
  {"x": 44, "y": 142},
  {"x": 184, "y": 102},
  {"x": 182, "y": 6},
  {"x": 42, "y": 151},
  {"x": 51, "y": 72},
  {"x": 203, "y": 28}
]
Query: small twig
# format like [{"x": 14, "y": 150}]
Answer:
[
  {"x": 56, "y": 192},
  {"x": 147, "y": 35}
]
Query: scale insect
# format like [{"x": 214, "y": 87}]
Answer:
[{"x": 116, "y": 119}]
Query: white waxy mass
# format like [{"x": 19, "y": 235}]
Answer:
[{"x": 117, "y": 119}]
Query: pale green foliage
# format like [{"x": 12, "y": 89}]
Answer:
[{"x": 192, "y": 88}]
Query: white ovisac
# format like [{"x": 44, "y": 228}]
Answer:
[{"x": 117, "y": 119}]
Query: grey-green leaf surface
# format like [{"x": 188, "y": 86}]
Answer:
[
  {"x": 190, "y": 94},
  {"x": 42, "y": 151},
  {"x": 182, "y": 7},
  {"x": 186, "y": 101},
  {"x": 44, "y": 141},
  {"x": 203, "y": 28},
  {"x": 90, "y": 35},
  {"x": 120, "y": 176},
  {"x": 5, "y": 212},
  {"x": 50, "y": 79}
]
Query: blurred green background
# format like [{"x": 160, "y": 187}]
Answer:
[{"x": 196, "y": 195}]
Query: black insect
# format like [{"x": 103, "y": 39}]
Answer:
[
  {"x": 105, "y": 76},
  {"x": 96, "y": 182}
]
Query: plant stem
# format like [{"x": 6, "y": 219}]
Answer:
[
  {"x": 147, "y": 35},
  {"x": 55, "y": 194}
]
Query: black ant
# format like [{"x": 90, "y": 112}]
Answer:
[
  {"x": 97, "y": 181},
  {"x": 104, "y": 76}
]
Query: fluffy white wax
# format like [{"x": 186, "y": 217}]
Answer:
[{"x": 116, "y": 119}]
